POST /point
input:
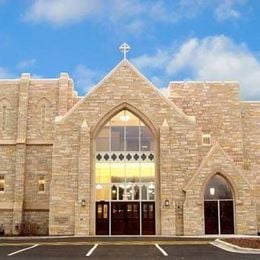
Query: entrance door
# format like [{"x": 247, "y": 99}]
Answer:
[
  {"x": 218, "y": 206},
  {"x": 219, "y": 217},
  {"x": 148, "y": 218},
  {"x": 102, "y": 218},
  {"x": 125, "y": 218},
  {"x": 211, "y": 217},
  {"x": 226, "y": 217}
]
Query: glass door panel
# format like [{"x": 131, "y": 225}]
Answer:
[
  {"x": 148, "y": 218},
  {"x": 102, "y": 218},
  {"x": 211, "y": 217},
  {"x": 125, "y": 218},
  {"x": 226, "y": 217}
]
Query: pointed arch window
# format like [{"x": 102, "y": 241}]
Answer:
[
  {"x": 218, "y": 206},
  {"x": 5, "y": 109},
  {"x": 43, "y": 116},
  {"x": 43, "y": 110},
  {"x": 125, "y": 158},
  {"x": 4, "y": 117}
]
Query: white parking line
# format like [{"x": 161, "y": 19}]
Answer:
[
  {"x": 19, "y": 251},
  {"x": 162, "y": 251},
  {"x": 92, "y": 250}
]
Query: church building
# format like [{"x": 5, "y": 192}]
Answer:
[{"x": 126, "y": 159}]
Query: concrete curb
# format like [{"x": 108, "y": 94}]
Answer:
[{"x": 234, "y": 248}]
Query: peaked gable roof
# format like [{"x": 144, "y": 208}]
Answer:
[
  {"x": 216, "y": 148},
  {"x": 125, "y": 62}
]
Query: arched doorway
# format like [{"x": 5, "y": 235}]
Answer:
[
  {"x": 218, "y": 206},
  {"x": 125, "y": 177}
]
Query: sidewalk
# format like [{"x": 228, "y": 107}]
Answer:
[{"x": 234, "y": 248}]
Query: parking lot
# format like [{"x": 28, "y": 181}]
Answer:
[{"x": 117, "y": 251}]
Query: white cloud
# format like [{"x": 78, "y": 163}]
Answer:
[
  {"x": 130, "y": 14},
  {"x": 156, "y": 61},
  {"x": 25, "y": 64},
  {"x": 211, "y": 58},
  {"x": 222, "y": 9},
  {"x": 60, "y": 12},
  {"x": 135, "y": 27},
  {"x": 227, "y": 10},
  {"x": 85, "y": 78}
]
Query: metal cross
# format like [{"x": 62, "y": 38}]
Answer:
[{"x": 125, "y": 48}]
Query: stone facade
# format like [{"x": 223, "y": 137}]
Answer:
[{"x": 48, "y": 131}]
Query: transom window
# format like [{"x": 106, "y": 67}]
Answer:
[
  {"x": 125, "y": 160},
  {"x": 218, "y": 188}
]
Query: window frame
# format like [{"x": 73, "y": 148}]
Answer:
[
  {"x": 41, "y": 182},
  {"x": 2, "y": 180},
  {"x": 206, "y": 135}
]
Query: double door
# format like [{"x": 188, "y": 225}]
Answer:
[
  {"x": 125, "y": 218},
  {"x": 219, "y": 217}
]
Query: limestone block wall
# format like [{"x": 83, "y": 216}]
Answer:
[
  {"x": 26, "y": 138},
  {"x": 251, "y": 135},
  {"x": 42, "y": 109},
  {"x": 9, "y": 90},
  {"x": 35, "y": 222},
  {"x": 123, "y": 88},
  {"x": 216, "y": 106},
  {"x": 38, "y": 163},
  {"x": 64, "y": 182},
  {"x": 217, "y": 161},
  {"x": 6, "y": 218},
  {"x": 7, "y": 168}
]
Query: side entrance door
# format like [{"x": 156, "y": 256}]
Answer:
[
  {"x": 148, "y": 218},
  {"x": 102, "y": 218},
  {"x": 219, "y": 217}
]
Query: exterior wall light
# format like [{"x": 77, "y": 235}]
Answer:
[
  {"x": 166, "y": 203},
  {"x": 212, "y": 191},
  {"x": 83, "y": 203}
]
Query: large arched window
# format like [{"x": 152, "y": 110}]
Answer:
[
  {"x": 218, "y": 206},
  {"x": 125, "y": 177},
  {"x": 125, "y": 159}
]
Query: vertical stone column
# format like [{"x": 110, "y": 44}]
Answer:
[
  {"x": 166, "y": 189},
  {"x": 20, "y": 152},
  {"x": 83, "y": 203},
  {"x": 63, "y": 93}
]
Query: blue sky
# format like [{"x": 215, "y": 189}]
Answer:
[{"x": 169, "y": 39}]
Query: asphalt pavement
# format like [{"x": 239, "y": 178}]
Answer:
[{"x": 118, "y": 251}]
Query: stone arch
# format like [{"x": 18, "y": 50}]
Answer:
[
  {"x": 224, "y": 175},
  {"x": 219, "y": 205},
  {"x": 42, "y": 107},
  {"x": 5, "y": 107},
  {"x": 94, "y": 134},
  {"x": 130, "y": 108},
  {"x": 43, "y": 101},
  {"x": 5, "y": 102}
]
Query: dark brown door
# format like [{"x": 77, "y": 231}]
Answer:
[
  {"x": 219, "y": 212},
  {"x": 125, "y": 218},
  {"x": 148, "y": 218},
  {"x": 102, "y": 218},
  {"x": 226, "y": 217},
  {"x": 211, "y": 217}
]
